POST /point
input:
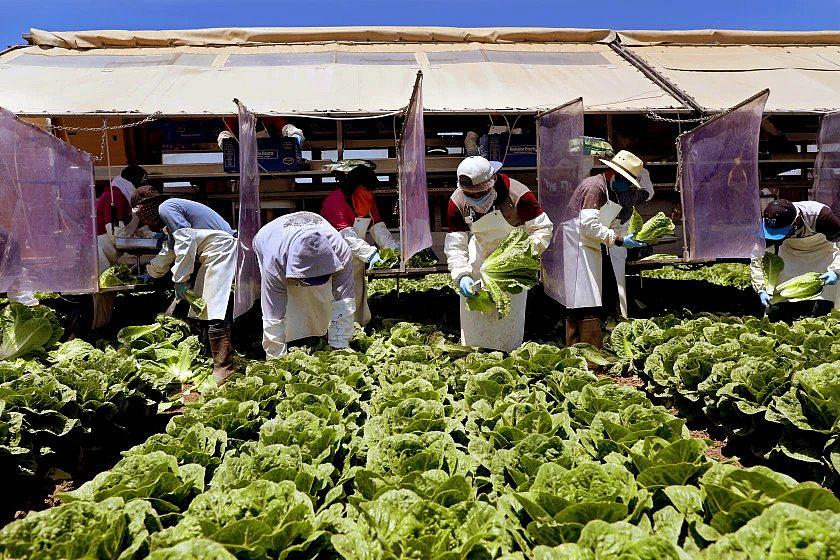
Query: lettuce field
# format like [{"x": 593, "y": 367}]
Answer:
[{"x": 410, "y": 446}]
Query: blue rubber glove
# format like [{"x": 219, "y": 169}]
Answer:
[
  {"x": 374, "y": 260},
  {"x": 829, "y": 278},
  {"x": 629, "y": 242},
  {"x": 145, "y": 278},
  {"x": 181, "y": 289},
  {"x": 765, "y": 298},
  {"x": 160, "y": 237},
  {"x": 467, "y": 287}
]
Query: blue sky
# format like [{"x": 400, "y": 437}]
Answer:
[{"x": 61, "y": 15}]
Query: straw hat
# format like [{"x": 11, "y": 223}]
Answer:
[{"x": 628, "y": 165}]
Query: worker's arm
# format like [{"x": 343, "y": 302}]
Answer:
[
  {"x": 380, "y": 233},
  {"x": 159, "y": 266},
  {"x": 591, "y": 226},
  {"x": 828, "y": 224},
  {"x": 456, "y": 245},
  {"x": 646, "y": 192},
  {"x": 360, "y": 248},
  {"x": 535, "y": 222},
  {"x": 757, "y": 275},
  {"x": 185, "y": 254}
]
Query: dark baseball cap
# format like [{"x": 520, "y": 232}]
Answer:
[{"x": 778, "y": 220}]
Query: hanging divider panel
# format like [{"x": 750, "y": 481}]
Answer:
[
  {"x": 247, "y": 272},
  {"x": 719, "y": 184},
  {"x": 415, "y": 229},
  {"x": 827, "y": 167},
  {"x": 47, "y": 215},
  {"x": 558, "y": 174}
]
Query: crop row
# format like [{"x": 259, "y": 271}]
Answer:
[
  {"x": 777, "y": 384},
  {"x": 413, "y": 447}
]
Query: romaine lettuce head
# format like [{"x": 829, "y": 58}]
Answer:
[
  {"x": 656, "y": 227},
  {"x": 27, "y": 331}
]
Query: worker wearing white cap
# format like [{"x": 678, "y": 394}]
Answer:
[
  {"x": 806, "y": 236},
  {"x": 595, "y": 244},
  {"x": 488, "y": 205},
  {"x": 196, "y": 234},
  {"x": 307, "y": 282}
]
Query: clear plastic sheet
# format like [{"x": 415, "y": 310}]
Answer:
[
  {"x": 827, "y": 167},
  {"x": 416, "y": 232},
  {"x": 247, "y": 288},
  {"x": 47, "y": 216},
  {"x": 719, "y": 184},
  {"x": 558, "y": 175}
]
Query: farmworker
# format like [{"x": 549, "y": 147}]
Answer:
[
  {"x": 114, "y": 219},
  {"x": 805, "y": 235},
  {"x": 195, "y": 234},
  {"x": 307, "y": 282},
  {"x": 595, "y": 244},
  {"x": 488, "y": 205},
  {"x": 351, "y": 209}
]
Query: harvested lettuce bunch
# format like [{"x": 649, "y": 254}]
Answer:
[
  {"x": 652, "y": 230},
  {"x": 511, "y": 268},
  {"x": 196, "y": 302},
  {"x": 391, "y": 259},
  {"x": 118, "y": 275},
  {"x": 771, "y": 266},
  {"x": 803, "y": 287}
]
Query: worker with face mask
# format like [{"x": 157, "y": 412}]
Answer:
[
  {"x": 806, "y": 236},
  {"x": 351, "y": 209},
  {"x": 195, "y": 234},
  {"x": 114, "y": 219},
  {"x": 595, "y": 244},
  {"x": 482, "y": 211},
  {"x": 307, "y": 282}
]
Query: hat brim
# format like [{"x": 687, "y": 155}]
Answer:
[
  {"x": 775, "y": 234},
  {"x": 623, "y": 172},
  {"x": 497, "y": 166},
  {"x": 147, "y": 201}
]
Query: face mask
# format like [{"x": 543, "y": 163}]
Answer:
[
  {"x": 621, "y": 184},
  {"x": 482, "y": 204}
]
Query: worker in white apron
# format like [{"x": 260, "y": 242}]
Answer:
[
  {"x": 114, "y": 218},
  {"x": 805, "y": 235},
  {"x": 489, "y": 205},
  {"x": 351, "y": 209},
  {"x": 595, "y": 243},
  {"x": 196, "y": 234},
  {"x": 306, "y": 289}
]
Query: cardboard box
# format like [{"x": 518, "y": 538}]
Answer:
[
  {"x": 521, "y": 151},
  {"x": 273, "y": 155}
]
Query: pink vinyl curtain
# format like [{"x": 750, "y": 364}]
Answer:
[
  {"x": 827, "y": 166},
  {"x": 719, "y": 184},
  {"x": 247, "y": 272},
  {"x": 558, "y": 174},
  {"x": 47, "y": 216},
  {"x": 415, "y": 228}
]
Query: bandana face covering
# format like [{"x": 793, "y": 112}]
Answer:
[
  {"x": 362, "y": 202},
  {"x": 481, "y": 204},
  {"x": 621, "y": 184},
  {"x": 148, "y": 214}
]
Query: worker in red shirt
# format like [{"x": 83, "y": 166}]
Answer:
[
  {"x": 488, "y": 205},
  {"x": 351, "y": 210},
  {"x": 114, "y": 218}
]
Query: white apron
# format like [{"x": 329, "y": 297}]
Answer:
[
  {"x": 809, "y": 254},
  {"x": 486, "y": 330},
  {"x": 216, "y": 252},
  {"x": 308, "y": 311},
  {"x": 587, "y": 269},
  {"x": 362, "y": 315}
]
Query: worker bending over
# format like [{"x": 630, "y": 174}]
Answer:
[
  {"x": 805, "y": 236},
  {"x": 595, "y": 244},
  {"x": 489, "y": 205},
  {"x": 351, "y": 210},
  {"x": 307, "y": 282},
  {"x": 196, "y": 233}
]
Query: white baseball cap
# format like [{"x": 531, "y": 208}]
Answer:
[{"x": 474, "y": 171}]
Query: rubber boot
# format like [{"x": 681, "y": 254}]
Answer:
[
  {"x": 222, "y": 351},
  {"x": 572, "y": 332},
  {"x": 590, "y": 332}
]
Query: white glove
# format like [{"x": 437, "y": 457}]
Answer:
[
  {"x": 341, "y": 323},
  {"x": 274, "y": 337}
]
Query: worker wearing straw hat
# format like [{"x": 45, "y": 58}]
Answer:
[
  {"x": 595, "y": 243},
  {"x": 196, "y": 234},
  {"x": 488, "y": 205}
]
